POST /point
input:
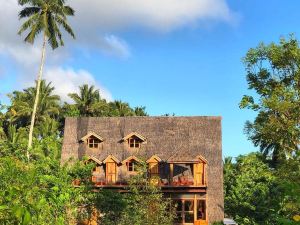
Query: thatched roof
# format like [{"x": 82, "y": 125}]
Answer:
[{"x": 169, "y": 138}]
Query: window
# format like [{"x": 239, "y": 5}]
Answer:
[
  {"x": 97, "y": 169},
  {"x": 185, "y": 211},
  {"x": 131, "y": 166},
  {"x": 134, "y": 142},
  {"x": 93, "y": 142}
]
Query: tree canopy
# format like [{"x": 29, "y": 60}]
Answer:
[{"x": 273, "y": 72}]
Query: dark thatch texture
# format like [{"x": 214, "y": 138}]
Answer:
[{"x": 170, "y": 138}]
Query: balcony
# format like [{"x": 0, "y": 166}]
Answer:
[{"x": 180, "y": 175}]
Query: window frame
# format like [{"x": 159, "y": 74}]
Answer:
[
  {"x": 131, "y": 165},
  {"x": 134, "y": 142},
  {"x": 182, "y": 212},
  {"x": 93, "y": 142}
]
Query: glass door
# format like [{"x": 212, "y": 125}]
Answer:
[
  {"x": 184, "y": 211},
  {"x": 201, "y": 212}
]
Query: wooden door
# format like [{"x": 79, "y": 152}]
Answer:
[
  {"x": 199, "y": 174},
  {"x": 200, "y": 212},
  {"x": 111, "y": 171}
]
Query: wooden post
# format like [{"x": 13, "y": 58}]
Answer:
[
  {"x": 171, "y": 173},
  {"x": 195, "y": 208}
]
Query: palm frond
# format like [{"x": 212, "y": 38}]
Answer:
[
  {"x": 28, "y": 11},
  {"x": 28, "y": 23},
  {"x": 68, "y": 11},
  {"x": 65, "y": 25},
  {"x": 36, "y": 29},
  {"x": 30, "y": 2},
  {"x": 52, "y": 32}
]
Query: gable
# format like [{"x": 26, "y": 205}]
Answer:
[
  {"x": 134, "y": 135},
  {"x": 130, "y": 158},
  {"x": 94, "y": 159},
  {"x": 111, "y": 158},
  {"x": 154, "y": 159},
  {"x": 91, "y": 134}
]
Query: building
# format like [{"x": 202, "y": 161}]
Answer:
[{"x": 184, "y": 155}]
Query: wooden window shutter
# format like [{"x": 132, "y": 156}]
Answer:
[
  {"x": 199, "y": 174},
  {"x": 111, "y": 172}
]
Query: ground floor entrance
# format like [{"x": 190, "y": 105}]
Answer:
[{"x": 190, "y": 209}]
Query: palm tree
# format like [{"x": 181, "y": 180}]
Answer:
[
  {"x": 46, "y": 16},
  {"x": 22, "y": 101},
  {"x": 88, "y": 101},
  {"x": 120, "y": 108},
  {"x": 140, "y": 111}
]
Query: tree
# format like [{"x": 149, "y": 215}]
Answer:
[
  {"x": 143, "y": 204},
  {"x": 22, "y": 101},
  {"x": 252, "y": 193},
  {"x": 46, "y": 16},
  {"x": 273, "y": 72},
  {"x": 140, "y": 111},
  {"x": 89, "y": 102},
  {"x": 119, "y": 108},
  {"x": 288, "y": 175}
]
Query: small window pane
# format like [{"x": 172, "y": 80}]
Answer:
[
  {"x": 178, "y": 205},
  {"x": 188, "y": 205},
  {"x": 131, "y": 166},
  {"x": 201, "y": 210},
  {"x": 189, "y": 217}
]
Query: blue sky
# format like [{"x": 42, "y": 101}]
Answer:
[{"x": 187, "y": 68}]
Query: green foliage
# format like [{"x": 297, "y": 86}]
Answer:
[
  {"x": 88, "y": 102},
  {"x": 143, "y": 204},
  {"x": 218, "y": 223},
  {"x": 273, "y": 73},
  {"x": 252, "y": 195},
  {"x": 41, "y": 191},
  {"x": 35, "y": 193},
  {"x": 288, "y": 174},
  {"x": 22, "y": 101}
]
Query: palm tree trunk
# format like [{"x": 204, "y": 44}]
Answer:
[{"x": 39, "y": 79}]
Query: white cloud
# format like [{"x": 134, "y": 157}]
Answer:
[
  {"x": 67, "y": 81},
  {"x": 160, "y": 15},
  {"x": 96, "y": 23},
  {"x": 115, "y": 46}
]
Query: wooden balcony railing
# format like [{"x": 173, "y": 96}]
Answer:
[{"x": 181, "y": 182}]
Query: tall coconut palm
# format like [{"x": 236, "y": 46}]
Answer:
[{"x": 46, "y": 17}]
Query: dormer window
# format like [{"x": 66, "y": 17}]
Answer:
[
  {"x": 92, "y": 140},
  {"x": 131, "y": 163},
  {"x": 131, "y": 166},
  {"x": 134, "y": 140}
]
